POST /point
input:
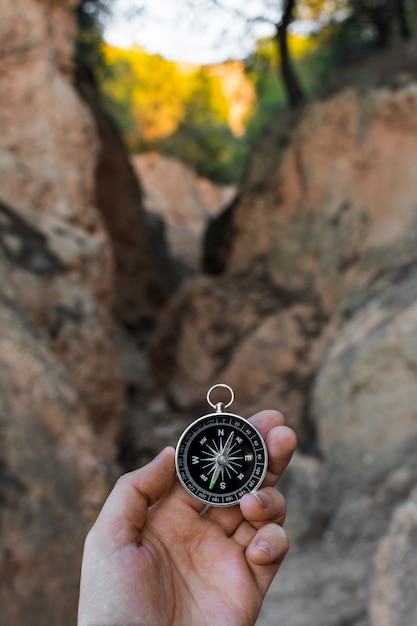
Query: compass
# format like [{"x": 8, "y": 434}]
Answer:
[{"x": 221, "y": 456}]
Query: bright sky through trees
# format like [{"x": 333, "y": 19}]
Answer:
[{"x": 169, "y": 29}]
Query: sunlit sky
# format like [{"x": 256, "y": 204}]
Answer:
[{"x": 171, "y": 30}]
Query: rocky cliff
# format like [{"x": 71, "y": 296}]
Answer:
[
  {"x": 184, "y": 201},
  {"x": 316, "y": 313},
  {"x": 324, "y": 225},
  {"x": 312, "y": 309},
  {"x": 65, "y": 279}
]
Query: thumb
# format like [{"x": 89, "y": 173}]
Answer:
[{"x": 124, "y": 513}]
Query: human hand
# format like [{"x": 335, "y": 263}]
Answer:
[{"x": 152, "y": 560}]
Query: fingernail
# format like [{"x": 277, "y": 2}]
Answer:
[
  {"x": 262, "y": 498},
  {"x": 265, "y": 546}
]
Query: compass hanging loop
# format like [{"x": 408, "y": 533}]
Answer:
[{"x": 220, "y": 406}]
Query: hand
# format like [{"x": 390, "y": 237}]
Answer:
[{"x": 152, "y": 560}]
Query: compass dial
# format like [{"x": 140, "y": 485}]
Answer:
[{"x": 221, "y": 457}]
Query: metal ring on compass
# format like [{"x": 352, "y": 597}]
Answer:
[{"x": 232, "y": 395}]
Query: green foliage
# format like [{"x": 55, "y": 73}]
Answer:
[
  {"x": 338, "y": 45},
  {"x": 175, "y": 109},
  {"x": 144, "y": 93},
  {"x": 263, "y": 69},
  {"x": 203, "y": 138},
  {"x": 182, "y": 111},
  {"x": 91, "y": 15},
  {"x": 212, "y": 150}
]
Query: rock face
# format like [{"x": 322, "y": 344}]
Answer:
[
  {"x": 184, "y": 200},
  {"x": 62, "y": 397},
  {"x": 315, "y": 228},
  {"x": 51, "y": 481},
  {"x": 239, "y": 92},
  {"x": 145, "y": 274},
  {"x": 312, "y": 310},
  {"x": 48, "y": 157},
  {"x": 355, "y": 563},
  {"x": 366, "y": 393},
  {"x": 315, "y": 313},
  {"x": 393, "y": 589}
]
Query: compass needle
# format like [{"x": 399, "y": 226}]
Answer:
[
  {"x": 215, "y": 476},
  {"x": 228, "y": 445}
]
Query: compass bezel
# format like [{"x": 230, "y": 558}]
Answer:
[{"x": 250, "y": 436}]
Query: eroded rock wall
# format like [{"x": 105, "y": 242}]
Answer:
[
  {"x": 183, "y": 200},
  {"x": 61, "y": 390},
  {"x": 145, "y": 275},
  {"x": 315, "y": 314},
  {"x": 328, "y": 216},
  {"x": 47, "y": 180}
]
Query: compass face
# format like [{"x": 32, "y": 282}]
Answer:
[{"x": 221, "y": 457}]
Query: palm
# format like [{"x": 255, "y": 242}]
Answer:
[{"x": 204, "y": 574}]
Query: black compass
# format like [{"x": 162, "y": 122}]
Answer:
[{"x": 221, "y": 456}]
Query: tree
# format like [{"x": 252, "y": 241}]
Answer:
[
  {"x": 279, "y": 15},
  {"x": 91, "y": 15},
  {"x": 294, "y": 92},
  {"x": 382, "y": 15},
  {"x": 171, "y": 108}
]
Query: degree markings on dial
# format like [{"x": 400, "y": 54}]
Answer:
[{"x": 221, "y": 457}]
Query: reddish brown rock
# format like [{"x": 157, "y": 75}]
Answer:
[
  {"x": 316, "y": 225},
  {"x": 47, "y": 163},
  {"x": 60, "y": 377},
  {"x": 337, "y": 209},
  {"x": 184, "y": 200},
  {"x": 144, "y": 274}
]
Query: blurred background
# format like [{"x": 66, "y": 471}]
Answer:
[{"x": 200, "y": 192}]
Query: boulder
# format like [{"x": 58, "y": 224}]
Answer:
[
  {"x": 365, "y": 394},
  {"x": 53, "y": 477},
  {"x": 185, "y": 201},
  {"x": 333, "y": 210}
]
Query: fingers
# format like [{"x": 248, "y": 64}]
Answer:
[
  {"x": 269, "y": 546},
  {"x": 264, "y": 506},
  {"x": 261, "y": 536},
  {"x": 265, "y": 553},
  {"x": 280, "y": 440},
  {"x": 124, "y": 513},
  {"x": 281, "y": 443}
]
